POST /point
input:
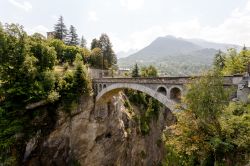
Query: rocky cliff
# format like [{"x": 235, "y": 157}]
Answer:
[{"x": 99, "y": 134}]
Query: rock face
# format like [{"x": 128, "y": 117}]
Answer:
[{"x": 101, "y": 134}]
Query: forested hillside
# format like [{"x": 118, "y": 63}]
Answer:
[{"x": 177, "y": 56}]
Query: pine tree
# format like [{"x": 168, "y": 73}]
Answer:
[
  {"x": 108, "y": 53},
  {"x": 83, "y": 42},
  {"x": 60, "y": 29},
  {"x": 82, "y": 82},
  {"x": 135, "y": 71},
  {"x": 244, "y": 48},
  {"x": 72, "y": 38}
]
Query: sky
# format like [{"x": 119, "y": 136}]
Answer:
[{"x": 133, "y": 24}]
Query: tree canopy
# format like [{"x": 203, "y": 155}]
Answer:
[
  {"x": 72, "y": 37},
  {"x": 28, "y": 79},
  {"x": 60, "y": 30},
  {"x": 233, "y": 62},
  {"x": 108, "y": 56},
  {"x": 135, "y": 71}
]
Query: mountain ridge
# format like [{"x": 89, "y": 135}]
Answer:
[{"x": 176, "y": 56}]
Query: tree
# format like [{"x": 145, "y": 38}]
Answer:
[
  {"x": 108, "y": 53},
  {"x": 219, "y": 60},
  {"x": 38, "y": 36},
  {"x": 96, "y": 58},
  {"x": 83, "y": 42},
  {"x": 45, "y": 54},
  {"x": 207, "y": 131},
  {"x": 82, "y": 82},
  {"x": 135, "y": 71},
  {"x": 69, "y": 54},
  {"x": 27, "y": 76},
  {"x": 94, "y": 44},
  {"x": 72, "y": 38},
  {"x": 60, "y": 30},
  {"x": 150, "y": 71},
  {"x": 236, "y": 63},
  {"x": 59, "y": 47}
]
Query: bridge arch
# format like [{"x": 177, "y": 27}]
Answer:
[
  {"x": 153, "y": 93},
  {"x": 104, "y": 86},
  {"x": 175, "y": 93},
  {"x": 162, "y": 89}
]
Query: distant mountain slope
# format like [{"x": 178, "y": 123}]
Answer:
[
  {"x": 176, "y": 56},
  {"x": 217, "y": 46},
  {"x": 165, "y": 46}
]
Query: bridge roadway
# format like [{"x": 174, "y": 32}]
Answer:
[{"x": 167, "y": 90}]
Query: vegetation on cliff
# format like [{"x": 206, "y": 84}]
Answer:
[
  {"x": 149, "y": 106},
  {"x": 32, "y": 85},
  {"x": 212, "y": 129}
]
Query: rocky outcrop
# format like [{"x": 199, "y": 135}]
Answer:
[{"x": 100, "y": 134}]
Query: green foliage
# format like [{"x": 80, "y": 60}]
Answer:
[
  {"x": 72, "y": 37},
  {"x": 149, "y": 109},
  {"x": 219, "y": 60},
  {"x": 67, "y": 53},
  {"x": 59, "y": 47},
  {"x": 70, "y": 54},
  {"x": 234, "y": 63},
  {"x": 45, "y": 54},
  {"x": 207, "y": 98},
  {"x": 209, "y": 131},
  {"x": 108, "y": 53},
  {"x": 149, "y": 71},
  {"x": 74, "y": 84},
  {"x": 96, "y": 58},
  {"x": 27, "y": 76},
  {"x": 60, "y": 30},
  {"x": 236, "y": 126},
  {"x": 82, "y": 81},
  {"x": 109, "y": 58},
  {"x": 144, "y": 101},
  {"x": 94, "y": 44},
  {"x": 83, "y": 42},
  {"x": 135, "y": 71}
]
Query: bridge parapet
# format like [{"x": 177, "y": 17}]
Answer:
[
  {"x": 228, "y": 80},
  {"x": 167, "y": 90}
]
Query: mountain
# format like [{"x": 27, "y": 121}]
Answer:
[
  {"x": 217, "y": 46},
  {"x": 165, "y": 46},
  {"x": 176, "y": 56}
]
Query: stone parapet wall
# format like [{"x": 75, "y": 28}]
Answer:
[{"x": 228, "y": 80}]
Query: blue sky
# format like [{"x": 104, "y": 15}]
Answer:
[{"x": 133, "y": 24}]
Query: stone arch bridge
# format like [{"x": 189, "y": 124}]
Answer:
[{"x": 167, "y": 90}]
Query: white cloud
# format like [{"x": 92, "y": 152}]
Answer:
[
  {"x": 25, "y": 5},
  {"x": 234, "y": 29},
  {"x": 39, "y": 29},
  {"x": 132, "y": 4},
  {"x": 92, "y": 16}
]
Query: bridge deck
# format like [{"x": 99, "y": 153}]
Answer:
[{"x": 228, "y": 80}]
